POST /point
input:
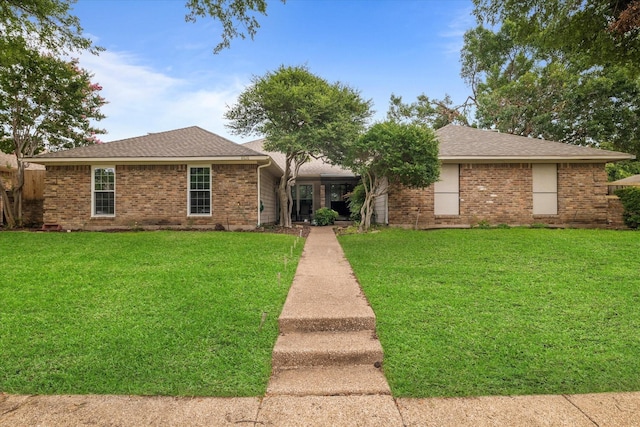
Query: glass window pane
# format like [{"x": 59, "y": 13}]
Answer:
[
  {"x": 200, "y": 202},
  {"x": 199, "y": 179},
  {"x": 105, "y": 203}
]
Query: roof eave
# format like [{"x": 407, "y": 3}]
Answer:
[
  {"x": 147, "y": 160},
  {"x": 536, "y": 159}
]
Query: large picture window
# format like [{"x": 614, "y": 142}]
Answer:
[
  {"x": 199, "y": 190},
  {"x": 103, "y": 184}
]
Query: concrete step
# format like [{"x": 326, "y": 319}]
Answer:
[
  {"x": 322, "y": 303},
  {"x": 326, "y": 349},
  {"x": 328, "y": 381},
  {"x": 327, "y": 323}
]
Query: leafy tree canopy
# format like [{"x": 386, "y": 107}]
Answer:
[
  {"x": 238, "y": 17},
  {"x": 599, "y": 32},
  {"x": 395, "y": 153},
  {"x": 41, "y": 24},
  {"x": 45, "y": 102},
  {"x": 524, "y": 85},
  {"x": 300, "y": 115}
]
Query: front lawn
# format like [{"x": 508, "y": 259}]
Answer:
[
  {"x": 501, "y": 312},
  {"x": 147, "y": 313}
]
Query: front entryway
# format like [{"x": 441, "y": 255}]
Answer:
[{"x": 302, "y": 195}]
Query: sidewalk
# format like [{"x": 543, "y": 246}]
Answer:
[
  {"x": 313, "y": 382},
  {"x": 609, "y": 409}
]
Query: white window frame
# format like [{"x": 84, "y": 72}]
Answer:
[
  {"x": 446, "y": 192},
  {"x": 545, "y": 188},
  {"x": 93, "y": 191},
  {"x": 189, "y": 190}
]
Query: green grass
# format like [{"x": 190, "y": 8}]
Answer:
[
  {"x": 152, "y": 313},
  {"x": 501, "y": 312}
]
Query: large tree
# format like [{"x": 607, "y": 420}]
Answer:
[
  {"x": 392, "y": 153},
  {"x": 300, "y": 115},
  {"x": 45, "y": 103},
  {"x": 523, "y": 84},
  {"x": 599, "y": 32}
]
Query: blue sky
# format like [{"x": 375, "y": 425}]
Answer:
[{"x": 159, "y": 72}]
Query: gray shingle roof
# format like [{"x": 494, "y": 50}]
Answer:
[
  {"x": 468, "y": 143},
  {"x": 631, "y": 180},
  {"x": 313, "y": 168},
  {"x": 191, "y": 142}
]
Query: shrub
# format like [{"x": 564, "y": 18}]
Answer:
[
  {"x": 355, "y": 201},
  {"x": 630, "y": 198},
  {"x": 325, "y": 216}
]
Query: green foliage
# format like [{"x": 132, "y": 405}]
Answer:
[
  {"x": 300, "y": 115},
  {"x": 297, "y": 111},
  {"x": 45, "y": 103},
  {"x": 233, "y": 15},
  {"x": 392, "y": 152},
  {"x": 503, "y": 312},
  {"x": 630, "y": 198},
  {"x": 355, "y": 201},
  {"x": 620, "y": 170},
  {"x": 583, "y": 32},
  {"x": 405, "y": 154},
  {"x": 325, "y": 216},
  {"x": 529, "y": 79},
  {"x": 141, "y": 320}
]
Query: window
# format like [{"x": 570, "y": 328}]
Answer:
[
  {"x": 447, "y": 191},
  {"x": 103, "y": 183},
  {"x": 200, "y": 190},
  {"x": 545, "y": 189}
]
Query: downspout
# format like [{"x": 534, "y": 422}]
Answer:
[{"x": 259, "y": 193}]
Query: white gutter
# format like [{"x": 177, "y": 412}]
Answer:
[{"x": 259, "y": 193}]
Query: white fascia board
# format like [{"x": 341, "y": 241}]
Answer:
[
  {"x": 535, "y": 159},
  {"x": 148, "y": 160}
]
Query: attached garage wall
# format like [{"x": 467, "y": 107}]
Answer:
[{"x": 503, "y": 193}]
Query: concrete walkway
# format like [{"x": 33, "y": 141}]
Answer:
[{"x": 325, "y": 374}]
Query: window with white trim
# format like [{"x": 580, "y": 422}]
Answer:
[
  {"x": 446, "y": 191},
  {"x": 103, "y": 191},
  {"x": 545, "y": 189},
  {"x": 199, "y": 190}
]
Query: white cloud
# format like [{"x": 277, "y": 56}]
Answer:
[
  {"x": 143, "y": 100},
  {"x": 463, "y": 20}
]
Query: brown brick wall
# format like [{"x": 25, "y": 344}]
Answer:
[
  {"x": 582, "y": 194},
  {"x": 502, "y": 194},
  {"x": 151, "y": 195},
  {"x": 614, "y": 213}
]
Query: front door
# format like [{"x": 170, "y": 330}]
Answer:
[{"x": 302, "y": 202}]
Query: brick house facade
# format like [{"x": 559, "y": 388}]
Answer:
[
  {"x": 193, "y": 178},
  {"x": 151, "y": 195},
  {"x": 151, "y": 183},
  {"x": 494, "y": 178}
]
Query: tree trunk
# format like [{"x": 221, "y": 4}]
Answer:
[
  {"x": 284, "y": 194},
  {"x": 370, "y": 187},
  {"x": 285, "y": 220}
]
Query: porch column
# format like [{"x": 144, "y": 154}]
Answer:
[{"x": 323, "y": 201}]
